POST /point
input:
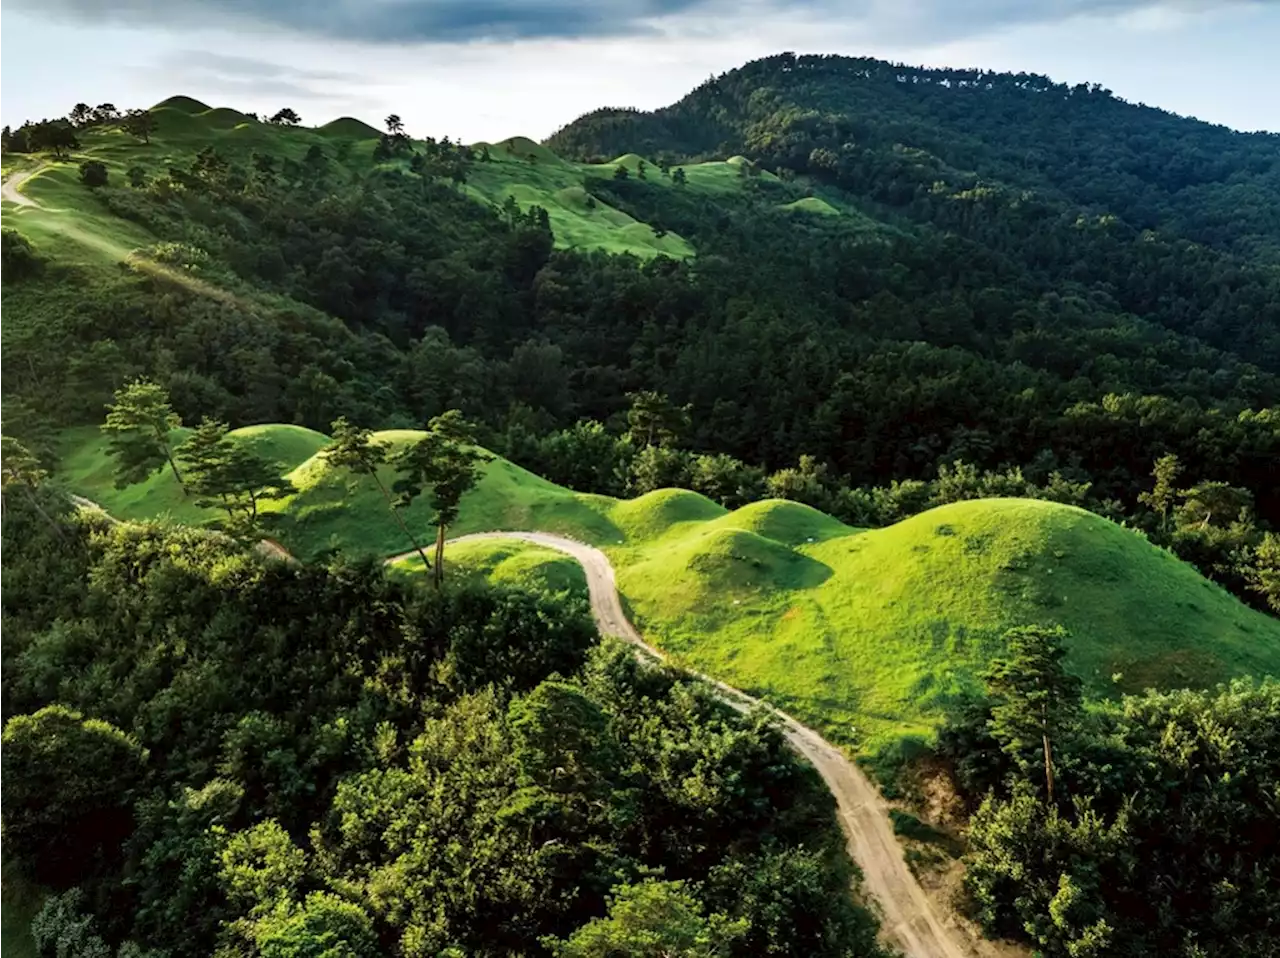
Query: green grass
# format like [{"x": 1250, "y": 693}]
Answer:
[
  {"x": 868, "y": 634},
  {"x": 871, "y": 634},
  {"x": 813, "y": 205},
  {"x": 510, "y": 562},
  {"x": 86, "y": 469}
]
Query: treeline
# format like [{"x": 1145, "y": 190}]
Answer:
[
  {"x": 1131, "y": 828},
  {"x": 207, "y": 752}
]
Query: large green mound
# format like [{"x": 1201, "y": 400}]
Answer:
[
  {"x": 873, "y": 633},
  {"x": 510, "y": 562},
  {"x": 813, "y": 205}
]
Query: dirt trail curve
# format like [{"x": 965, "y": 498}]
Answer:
[
  {"x": 910, "y": 920},
  {"x": 9, "y": 188}
]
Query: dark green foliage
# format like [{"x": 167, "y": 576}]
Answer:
[
  {"x": 68, "y": 787},
  {"x": 140, "y": 422},
  {"x": 93, "y": 173},
  {"x": 139, "y": 123},
  {"x": 18, "y": 258},
  {"x": 1165, "y": 840}
]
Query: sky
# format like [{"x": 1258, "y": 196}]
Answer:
[{"x": 489, "y": 69}]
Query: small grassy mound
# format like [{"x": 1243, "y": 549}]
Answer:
[
  {"x": 522, "y": 148},
  {"x": 224, "y": 118},
  {"x": 182, "y": 104},
  {"x": 348, "y": 127},
  {"x": 654, "y": 514},
  {"x": 508, "y": 561},
  {"x": 813, "y": 205},
  {"x": 791, "y": 523},
  {"x": 87, "y": 470}
]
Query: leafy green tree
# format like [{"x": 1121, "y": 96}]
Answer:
[
  {"x": 140, "y": 423},
  {"x": 261, "y": 867},
  {"x": 286, "y": 116},
  {"x": 354, "y": 450},
  {"x": 68, "y": 785},
  {"x": 57, "y": 136},
  {"x": 395, "y": 126},
  {"x": 653, "y": 919},
  {"x": 1264, "y": 572},
  {"x": 1162, "y": 498},
  {"x": 21, "y": 472},
  {"x": 80, "y": 114},
  {"x": 653, "y": 420},
  {"x": 620, "y": 172},
  {"x": 324, "y": 926},
  {"x": 139, "y": 123},
  {"x": 1036, "y": 700},
  {"x": 17, "y": 256},
  {"x": 137, "y": 177},
  {"x": 1207, "y": 501},
  {"x": 93, "y": 173},
  {"x": 445, "y": 460},
  {"x": 229, "y": 475},
  {"x": 679, "y": 177}
]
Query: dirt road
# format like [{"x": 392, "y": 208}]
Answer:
[
  {"x": 9, "y": 188},
  {"x": 910, "y": 920}
]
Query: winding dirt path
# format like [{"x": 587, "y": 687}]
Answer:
[
  {"x": 910, "y": 920},
  {"x": 9, "y": 188}
]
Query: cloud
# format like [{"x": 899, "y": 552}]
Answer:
[{"x": 456, "y": 21}]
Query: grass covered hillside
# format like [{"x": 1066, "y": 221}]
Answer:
[{"x": 867, "y": 634}]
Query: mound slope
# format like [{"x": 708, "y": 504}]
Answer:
[{"x": 895, "y": 623}]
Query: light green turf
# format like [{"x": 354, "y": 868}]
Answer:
[
  {"x": 86, "y": 469},
  {"x": 813, "y": 205},
  {"x": 870, "y": 634},
  {"x": 508, "y": 561}
]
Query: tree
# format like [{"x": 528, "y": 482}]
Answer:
[
  {"x": 1264, "y": 573},
  {"x": 67, "y": 785},
  {"x": 229, "y": 475},
  {"x": 394, "y": 125},
  {"x": 105, "y": 113},
  {"x": 1161, "y": 498},
  {"x": 137, "y": 177},
  {"x": 140, "y": 422},
  {"x": 641, "y": 167},
  {"x": 286, "y": 117},
  {"x": 354, "y": 450},
  {"x": 620, "y": 172},
  {"x": 17, "y": 256},
  {"x": 1036, "y": 699},
  {"x": 1206, "y": 501},
  {"x": 139, "y": 123},
  {"x": 654, "y": 919},
  {"x": 93, "y": 173},
  {"x": 445, "y": 460},
  {"x": 679, "y": 178},
  {"x": 81, "y": 115},
  {"x": 59, "y": 136},
  {"x": 20, "y": 470},
  {"x": 653, "y": 420}
]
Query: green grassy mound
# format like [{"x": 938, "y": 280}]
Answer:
[
  {"x": 813, "y": 205},
  {"x": 654, "y": 514},
  {"x": 872, "y": 634},
  {"x": 224, "y": 118},
  {"x": 86, "y": 469},
  {"x": 510, "y": 562},
  {"x": 182, "y": 104},
  {"x": 348, "y": 127},
  {"x": 791, "y": 523},
  {"x": 522, "y": 148}
]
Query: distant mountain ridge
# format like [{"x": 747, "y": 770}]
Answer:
[{"x": 820, "y": 115}]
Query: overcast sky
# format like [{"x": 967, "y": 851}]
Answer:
[{"x": 488, "y": 69}]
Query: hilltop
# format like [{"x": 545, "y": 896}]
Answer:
[{"x": 867, "y": 634}]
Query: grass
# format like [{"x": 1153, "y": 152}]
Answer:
[
  {"x": 813, "y": 205},
  {"x": 510, "y": 562},
  {"x": 868, "y": 634}
]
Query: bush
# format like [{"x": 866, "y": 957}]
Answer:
[
  {"x": 93, "y": 174},
  {"x": 17, "y": 256}
]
